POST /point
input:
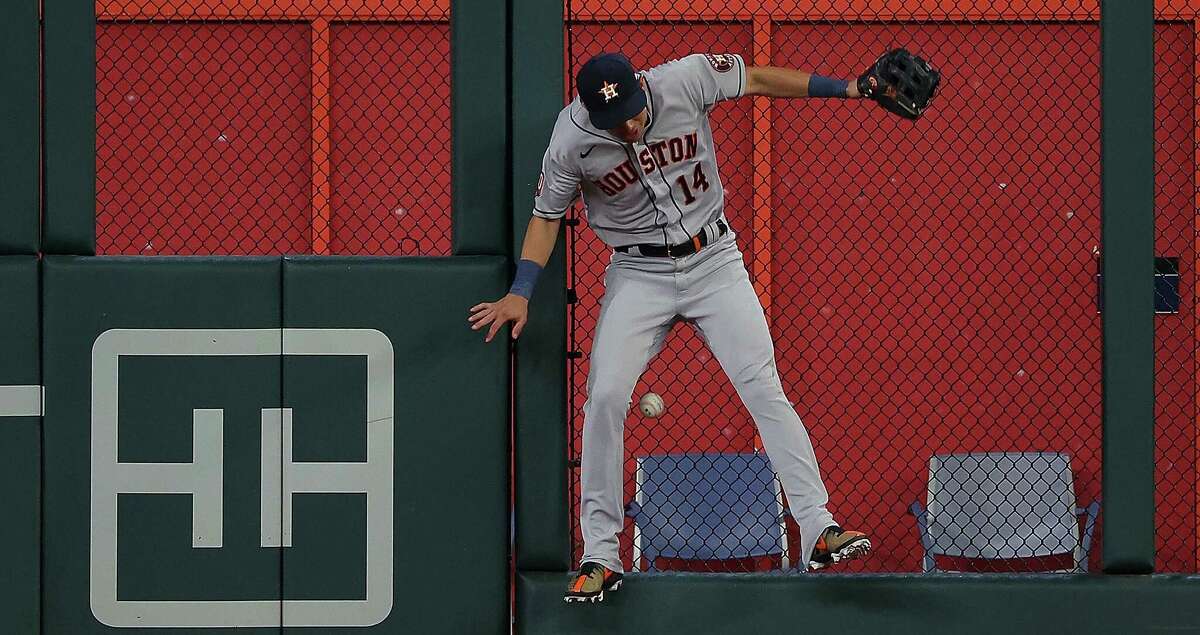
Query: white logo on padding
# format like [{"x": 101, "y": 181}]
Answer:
[{"x": 203, "y": 477}]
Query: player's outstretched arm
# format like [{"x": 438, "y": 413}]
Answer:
[
  {"x": 899, "y": 81},
  {"x": 772, "y": 81},
  {"x": 540, "y": 237}
]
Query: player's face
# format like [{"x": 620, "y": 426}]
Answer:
[{"x": 633, "y": 129}]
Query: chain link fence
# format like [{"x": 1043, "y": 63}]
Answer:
[
  {"x": 259, "y": 127},
  {"x": 932, "y": 290},
  {"x": 1175, "y": 329}
]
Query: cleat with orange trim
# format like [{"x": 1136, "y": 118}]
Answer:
[
  {"x": 836, "y": 545},
  {"x": 591, "y": 582}
]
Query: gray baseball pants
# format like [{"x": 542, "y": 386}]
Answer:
[{"x": 644, "y": 297}]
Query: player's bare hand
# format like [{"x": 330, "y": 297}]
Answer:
[{"x": 494, "y": 315}]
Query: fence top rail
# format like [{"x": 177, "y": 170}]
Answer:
[
  {"x": 617, "y": 10},
  {"x": 281, "y": 10}
]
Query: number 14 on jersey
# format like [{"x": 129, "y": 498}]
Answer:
[{"x": 699, "y": 184}]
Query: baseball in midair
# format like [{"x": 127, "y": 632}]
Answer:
[{"x": 651, "y": 405}]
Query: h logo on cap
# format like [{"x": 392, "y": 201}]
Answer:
[{"x": 609, "y": 91}]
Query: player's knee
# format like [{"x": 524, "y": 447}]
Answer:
[
  {"x": 605, "y": 395},
  {"x": 760, "y": 385},
  {"x": 757, "y": 374}
]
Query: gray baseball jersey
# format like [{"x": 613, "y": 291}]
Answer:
[{"x": 662, "y": 190}]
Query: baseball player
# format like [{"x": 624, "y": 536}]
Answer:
[{"x": 639, "y": 148}]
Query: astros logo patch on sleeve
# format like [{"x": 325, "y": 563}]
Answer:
[{"x": 721, "y": 62}]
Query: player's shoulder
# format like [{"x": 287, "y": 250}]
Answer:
[
  {"x": 691, "y": 65},
  {"x": 564, "y": 115},
  {"x": 567, "y": 132},
  {"x": 671, "y": 69}
]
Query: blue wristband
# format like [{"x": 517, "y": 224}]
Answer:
[
  {"x": 819, "y": 86},
  {"x": 526, "y": 278}
]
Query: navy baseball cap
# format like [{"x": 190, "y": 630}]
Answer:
[{"x": 609, "y": 90}]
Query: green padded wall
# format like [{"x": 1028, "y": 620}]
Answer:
[
  {"x": 479, "y": 127},
  {"x": 69, "y": 73},
  {"x": 450, "y": 444},
  {"x": 1127, "y": 227},
  {"x": 20, "y": 444},
  {"x": 249, "y": 442},
  {"x": 163, "y": 376},
  {"x": 891, "y": 605},
  {"x": 542, "y": 516},
  {"x": 20, "y": 120}
]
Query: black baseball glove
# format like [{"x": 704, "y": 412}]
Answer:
[{"x": 912, "y": 80}]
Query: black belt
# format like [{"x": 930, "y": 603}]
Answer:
[{"x": 698, "y": 242}]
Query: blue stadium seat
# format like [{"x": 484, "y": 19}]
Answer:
[
  {"x": 1004, "y": 506},
  {"x": 707, "y": 507}
]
